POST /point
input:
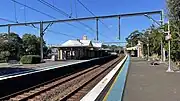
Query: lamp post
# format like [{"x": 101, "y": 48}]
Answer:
[{"x": 168, "y": 37}]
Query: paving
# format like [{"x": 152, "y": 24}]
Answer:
[{"x": 151, "y": 83}]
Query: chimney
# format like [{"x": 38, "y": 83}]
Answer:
[{"x": 84, "y": 37}]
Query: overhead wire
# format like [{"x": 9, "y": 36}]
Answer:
[
  {"x": 33, "y": 26},
  {"x": 95, "y": 15},
  {"x": 71, "y": 9},
  {"x": 75, "y": 4},
  {"x": 54, "y": 8},
  {"x": 67, "y": 15},
  {"x": 25, "y": 18},
  {"x": 15, "y": 15},
  {"x": 41, "y": 13},
  {"x": 78, "y": 21},
  {"x": 92, "y": 13},
  {"x": 55, "y": 32},
  {"x": 33, "y": 9},
  {"x": 45, "y": 13},
  {"x": 11, "y": 21},
  {"x": 58, "y": 10},
  {"x": 62, "y": 33}
]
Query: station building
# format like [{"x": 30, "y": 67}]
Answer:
[
  {"x": 79, "y": 49},
  {"x": 136, "y": 51}
]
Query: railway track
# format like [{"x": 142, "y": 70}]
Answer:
[{"x": 69, "y": 88}]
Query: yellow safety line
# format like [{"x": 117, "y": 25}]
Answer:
[{"x": 107, "y": 94}]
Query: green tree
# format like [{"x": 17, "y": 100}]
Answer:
[
  {"x": 155, "y": 38},
  {"x": 31, "y": 44},
  {"x": 132, "y": 39},
  {"x": 11, "y": 46},
  {"x": 174, "y": 9}
]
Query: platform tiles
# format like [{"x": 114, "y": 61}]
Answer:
[
  {"x": 95, "y": 92},
  {"x": 42, "y": 69}
]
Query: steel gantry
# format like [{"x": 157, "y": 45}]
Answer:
[{"x": 97, "y": 18}]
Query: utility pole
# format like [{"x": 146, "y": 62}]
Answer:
[
  {"x": 168, "y": 37},
  {"x": 97, "y": 32},
  {"x": 41, "y": 39}
]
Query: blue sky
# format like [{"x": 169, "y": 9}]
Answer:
[{"x": 98, "y": 7}]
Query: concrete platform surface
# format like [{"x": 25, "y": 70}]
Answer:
[{"x": 151, "y": 83}]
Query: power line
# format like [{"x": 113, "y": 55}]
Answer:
[
  {"x": 92, "y": 13},
  {"x": 95, "y": 15},
  {"x": 15, "y": 15},
  {"x": 33, "y": 9},
  {"x": 41, "y": 12},
  {"x": 65, "y": 14},
  {"x": 45, "y": 13},
  {"x": 8, "y": 20},
  {"x": 55, "y": 32},
  {"x": 25, "y": 11},
  {"x": 38, "y": 28},
  {"x": 71, "y": 8},
  {"x": 75, "y": 7},
  {"x": 54, "y": 8}
]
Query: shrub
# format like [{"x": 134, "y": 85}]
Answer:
[{"x": 30, "y": 59}]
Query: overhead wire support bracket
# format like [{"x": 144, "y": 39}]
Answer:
[
  {"x": 50, "y": 24},
  {"x": 149, "y": 17},
  {"x": 33, "y": 25}
]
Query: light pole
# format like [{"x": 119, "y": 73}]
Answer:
[{"x": 168, "y": 37}]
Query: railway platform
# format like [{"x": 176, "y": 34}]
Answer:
[
  {"x": 151, "y": 83},
  {"x": 137, "y": 80},
  {"x": 17, "y": 69}
]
